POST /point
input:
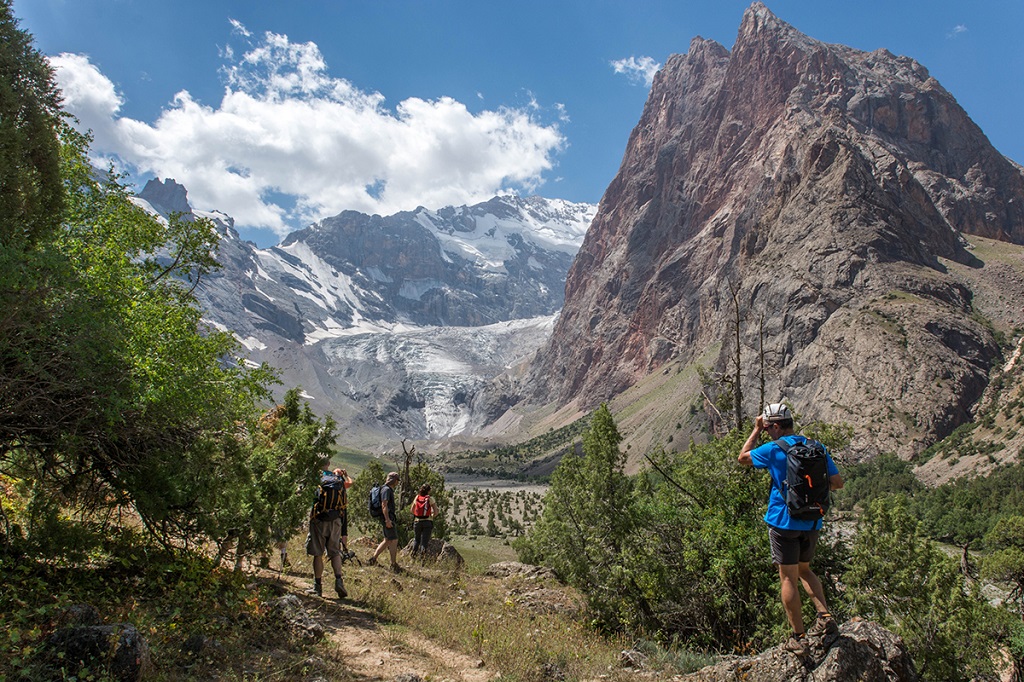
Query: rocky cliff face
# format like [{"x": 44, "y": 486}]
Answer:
[{"x": 817, "y": 194}]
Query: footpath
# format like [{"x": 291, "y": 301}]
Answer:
[{"x": 372, "y": 650}]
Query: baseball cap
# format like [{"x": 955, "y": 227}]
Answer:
[
  {"x": 392, "y": 475},
  {"x": 777, "y": 412}
]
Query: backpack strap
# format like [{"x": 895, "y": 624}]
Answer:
[{"x": 785, "y": 446}]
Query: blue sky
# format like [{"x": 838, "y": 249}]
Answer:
[{"x": 282, "y": 113}]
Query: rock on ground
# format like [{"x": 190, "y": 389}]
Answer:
[{"x": 863, "y": 651}]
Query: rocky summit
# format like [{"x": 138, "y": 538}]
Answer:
[{"x": 804, "y": 216}]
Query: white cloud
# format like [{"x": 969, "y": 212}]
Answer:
[
  {"x": 89, "y": 95},
  {"x": 239, "y": 28},
  {"x": 288, "y": 144},
  {"x": 638, "y": 71},
  {"x": 957, "y": 30}
]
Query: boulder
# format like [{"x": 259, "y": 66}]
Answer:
[
  {"x": 439, "y": 550},
  {"x": 118, "y": 651},
  {"x": 862, "y": 651}
]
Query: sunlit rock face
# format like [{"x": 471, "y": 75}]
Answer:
[{"x": 815, "y": 193}]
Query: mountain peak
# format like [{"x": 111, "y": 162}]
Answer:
[
  {"x": 166, "y": 196},
  {"x": 760, "y": 24},
  {"x": 802, "y": 183}
]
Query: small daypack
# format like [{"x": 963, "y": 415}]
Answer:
[
  {"x": 330, "y": 499},
  {"x": 374, "y": 502},
  {"x": 806, "y": 487},
  {"x": 421, "y": 507}
]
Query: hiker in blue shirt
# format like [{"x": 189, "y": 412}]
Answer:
[
  {"x": 793, "y": 541},
  {"x": 388, "y": 520}
]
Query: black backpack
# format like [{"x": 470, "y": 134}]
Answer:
[
  {"x": 330, "y": 499},
  {"x": 806, "y": 488},
  {"x": 374, "y": 503}
]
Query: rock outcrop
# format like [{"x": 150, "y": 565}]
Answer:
[
  {"x": 818, "y": 194},
  {"x": 863, "y": 651}
]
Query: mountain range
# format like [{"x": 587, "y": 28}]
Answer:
[
  {"x": 393, "y": 324},
  {"x": 792, "y": 220}
]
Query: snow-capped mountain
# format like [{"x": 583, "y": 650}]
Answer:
[{"x": 393, "y": 324}]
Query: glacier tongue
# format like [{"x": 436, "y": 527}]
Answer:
[{"x": 440, "y": 370}]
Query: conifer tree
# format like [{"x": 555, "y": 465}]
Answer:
[{"x": 587, "y": 518}]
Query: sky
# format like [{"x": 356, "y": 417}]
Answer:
[{"x": 283, "y": 113}]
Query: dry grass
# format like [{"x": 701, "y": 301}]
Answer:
[
  {"x": 511, "y": 625},
  {"x": 484, "y": 617}
]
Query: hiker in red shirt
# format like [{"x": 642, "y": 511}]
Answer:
[{"x": 423, "y": 511}]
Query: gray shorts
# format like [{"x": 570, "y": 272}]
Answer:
[
  {"x": 389, "y": 533},
  {"x": 324, "y": 536},
  {"x": 792, "y": 546}
]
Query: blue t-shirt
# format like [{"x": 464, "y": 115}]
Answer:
[{"x": 771, "y": 457}]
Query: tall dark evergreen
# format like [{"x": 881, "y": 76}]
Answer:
[{"x": 30, "y": 115}]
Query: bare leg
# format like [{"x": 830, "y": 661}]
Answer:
[
  {"x": 789, "y": 577},
  {"x": 318, "y": 567},
  {"x": 812, "y": 585}
]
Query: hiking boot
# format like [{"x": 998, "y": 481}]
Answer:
[
  {"x": 317, "y": 589},
  {"x": 824, "y": 626},
  {"x": 396, "y": 568},
  {"x": 339, "y": 587},
  {"x": 372, "y": 561},
  {"x": 796, "y": 644}
]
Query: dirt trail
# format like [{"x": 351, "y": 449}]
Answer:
[{"x": 373, "y": 651}]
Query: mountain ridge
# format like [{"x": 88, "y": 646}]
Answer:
[
  {"x": 809, "y": 191},
  {"x": 393, "y": 324}
]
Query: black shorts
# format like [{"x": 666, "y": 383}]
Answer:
[
  {"x": 389, "y": 533},
  {"x": 792, "y": 546}
]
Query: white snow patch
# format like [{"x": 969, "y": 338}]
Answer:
[{"x": 252, "y": 343}]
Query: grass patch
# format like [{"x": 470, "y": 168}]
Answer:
[{"x": 482, "y": 551}]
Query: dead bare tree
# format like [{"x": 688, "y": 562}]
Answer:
[
  {"x": 737, "y": 387},
  {"x": 762, "y": 369},
  {"x": 406, "y": 479}
]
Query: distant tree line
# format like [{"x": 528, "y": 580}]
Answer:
[{"x": 511, "y": 461}]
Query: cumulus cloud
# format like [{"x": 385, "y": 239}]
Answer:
[
  {"x": 289, "y": 144},
  {"x": 639, "y": 71}
]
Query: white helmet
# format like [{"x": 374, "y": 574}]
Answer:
[{"x": 777, "y": 412}]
